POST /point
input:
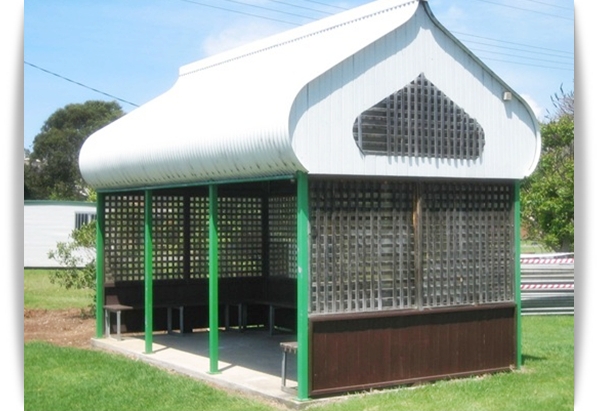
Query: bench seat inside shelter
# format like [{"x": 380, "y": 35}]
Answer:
[{"x": 243, "y": 302}]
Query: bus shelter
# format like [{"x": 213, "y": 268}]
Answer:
[{"x": 354, "y": 181}]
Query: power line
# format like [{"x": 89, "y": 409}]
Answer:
[
  {"x": 301, "y": 7},
  {"x": 548, "y": 4},
  {"x": 80, "y": 84},
  {"x": 514, "y": 43},
  {"x": 517, "y": 49},
  {"x": 241, "y": 12},
  {"x": 325, "y": 4},
  {"x": 269, "y": 9},
  {"x": 524, "y": 9},
  {"x": 526, "y": 64},
  {"x": 521, "y": 57}
]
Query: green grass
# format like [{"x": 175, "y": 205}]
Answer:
[
  {"x": 40, "y": 293},
  {"x": 65, "y": 379},
  {"x": 533, "y": 247}
]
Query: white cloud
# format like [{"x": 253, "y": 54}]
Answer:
[
  {"x": 538, "y": 110},
  {"x": 237, "y": 35}
]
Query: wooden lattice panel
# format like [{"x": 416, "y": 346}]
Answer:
[
  {"x": 361, "y": 246},
  {"x": 282, "y": 235},
  {"x": 124, "y": 237},
  {"x": 240, "y": 236},
  {"x": 467, "y": 244},
  {"x": 419, "y": 121},
  {"x": 198, "y": 236},
  {"x": 405, "y": 245},
  {"x": 168, "y": 228}
]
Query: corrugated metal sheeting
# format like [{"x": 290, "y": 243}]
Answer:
[
  {"x": 547, "y": 284},
  {"x": 288, "y": 103},
  {"x": 420, "y": 46}
]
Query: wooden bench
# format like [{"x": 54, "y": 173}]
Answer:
[
  {"x": 272, "y": 307},
  {"x": 287, "y": 348},
  {"x": 180, "y": 305},
  {"x": 119, "y": 308}
]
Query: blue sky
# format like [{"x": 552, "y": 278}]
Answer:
[{"x": 132, "y": 50}]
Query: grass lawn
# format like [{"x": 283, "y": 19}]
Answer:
[
  {"x": 65, "y": 379},
  {"x": 40, "y": 293}
]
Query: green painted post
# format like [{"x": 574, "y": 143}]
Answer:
[
  {"x": 517, "y": 245},
  {"x": 100, "y": 230},
  {"x": 149, "y": 273},
  {"x": 302, "y": 286},
  {"x": 213, "y": 280}
]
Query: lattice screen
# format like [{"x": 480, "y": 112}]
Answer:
[
  {"x": 282, "y": 233},
  {"x": 419, "y": 121},
  {"x": 240, "y": 236},
  {"x": 467, "y": 243},
  {"x": 124, "y": 237},
  {"x": 198, "y": 236},
  {"x": 396, "y": 245},
  {"x": 168, "y": 236},
  {"x": 361, "y": 246}
]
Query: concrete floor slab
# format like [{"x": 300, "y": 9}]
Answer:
[{"x": 250, "y": 362}]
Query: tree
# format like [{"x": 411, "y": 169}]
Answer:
[
  {"x": 547, "y": 203},
  {"x": 52, "y": 171},
  {"x": 77, "y": 258}
]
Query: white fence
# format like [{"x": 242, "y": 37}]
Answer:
[{"x": 547, "y": 284}]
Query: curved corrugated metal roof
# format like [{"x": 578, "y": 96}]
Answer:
[
  {"x": 227, "y": 116},
  {"x": 244, "y": 113}
]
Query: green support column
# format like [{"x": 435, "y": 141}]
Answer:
[
  {"x": 302, "y": 286},
  {"x": 517, "y": 245},
  {"x": 213, "y": 281},
  {"x": 100, "y": 230},
  {"x": 149, "y": 273}
]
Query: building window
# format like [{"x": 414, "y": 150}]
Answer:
[
  {"x": 419, "y": 121},
  {"x": 83, "y": 218}
]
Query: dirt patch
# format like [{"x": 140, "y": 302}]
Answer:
[{"x": 69, "y": 328}]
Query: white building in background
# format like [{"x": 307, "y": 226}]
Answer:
[{"x": 48, "y": 222}]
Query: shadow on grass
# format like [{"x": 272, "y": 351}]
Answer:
[{"x": 526, "y": 357}]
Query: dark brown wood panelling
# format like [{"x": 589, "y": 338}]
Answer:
[{"x": 369, "y": 350}]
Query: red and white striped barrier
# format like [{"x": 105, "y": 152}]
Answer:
[
  {"x": 546, "y": 286},
  {"x": 535, "y": 260}
]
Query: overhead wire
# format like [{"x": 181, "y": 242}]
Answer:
[
  {"x": 80, "y": 84},
  {"x": 301, "y": 7},
  {"x": 511, "y": 42},
  {"x": 326, "y": 4},
  {"x": 269, "y": 9},
  {"x": 526, "y": 64},
  {"x": 343, "y": 8},
  {"x": 548, "y": 4},
  {"x": 240, "y": 12},
  {"x": 524, "y": 9}
]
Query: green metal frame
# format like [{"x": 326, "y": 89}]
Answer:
[
  {"x": 213, "y": 278},
  {"x": 149, "y": 273},
  {"x": 100, "y": 231},
  {"x": 517, "y": 262},
  {"x": 302, "y": 277},
  {"x": 302, "y": 287}
]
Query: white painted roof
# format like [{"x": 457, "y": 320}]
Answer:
[{"x": 288, "y": 103}]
